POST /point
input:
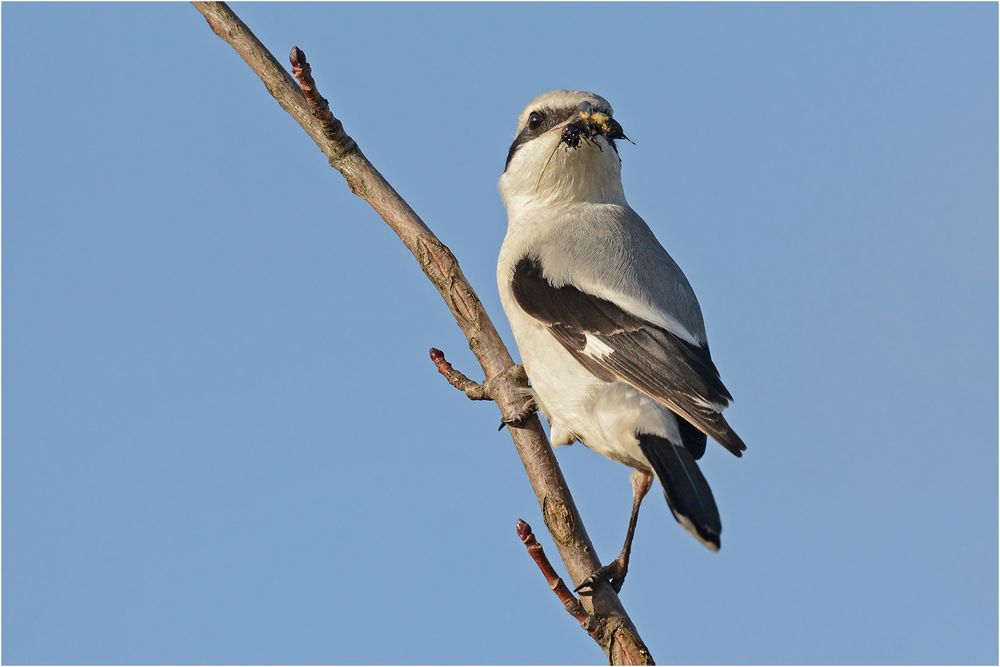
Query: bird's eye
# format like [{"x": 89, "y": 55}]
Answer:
[{"x": 535, "y": 120}]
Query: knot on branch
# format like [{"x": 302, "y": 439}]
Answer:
[
  {"x": 440, "y": 265},
  {"x": 625, "y": 647},
  {"x": 559, "y": 519}
]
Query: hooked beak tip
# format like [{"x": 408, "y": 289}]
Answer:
[{"x": 592, "y": 124}]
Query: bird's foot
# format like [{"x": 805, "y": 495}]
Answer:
[
  {"x": 613, "y": 573},
  {"x": 489, "y": 390},
  {"x": 523, "y": 391},
  {"x": 521, "y": 417}
]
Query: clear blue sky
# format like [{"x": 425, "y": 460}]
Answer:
[{"x": 223, "y": 440}]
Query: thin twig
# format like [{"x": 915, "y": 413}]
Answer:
[
  {"x": 558, "y": 586},
  {"x": 333, "y": 129},
  {"x": 618, "y": 638},
  {"x": 458, "y": 379}
]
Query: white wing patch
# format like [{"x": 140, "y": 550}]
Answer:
[
  {"x": 595, "y": 347},
  {"x": 711, "y": 405}
]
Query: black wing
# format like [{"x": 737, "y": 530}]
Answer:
[{"x": 674, "y": 372}]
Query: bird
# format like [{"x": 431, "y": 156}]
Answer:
[{"x": 610, "y": 333}]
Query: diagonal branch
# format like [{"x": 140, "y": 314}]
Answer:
[{"x": 615, "y": 632}]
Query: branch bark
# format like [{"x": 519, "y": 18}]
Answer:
[{"x": 611, "y": 626}]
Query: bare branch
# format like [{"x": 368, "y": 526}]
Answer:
[{"x": 618, "y": 637}]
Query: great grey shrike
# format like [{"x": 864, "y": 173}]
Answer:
[{"x": 610, "y": 332}]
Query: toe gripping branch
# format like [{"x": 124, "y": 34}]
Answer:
[
  {"x": 487, "y": 390},
  {"x": 558, "y": 586}
]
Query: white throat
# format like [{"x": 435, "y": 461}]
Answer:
[{"x": 546, "y": 172}]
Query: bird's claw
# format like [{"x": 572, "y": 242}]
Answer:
[
  {"x": 528, "y": 407},
  {"x": 613, "y": 573},
  {"x": 518, "y": 420}
]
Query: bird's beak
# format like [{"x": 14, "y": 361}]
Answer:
[
  {"x": 588, "y": 125},
  {"x": 601, "y": 123}
]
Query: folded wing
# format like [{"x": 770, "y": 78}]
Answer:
[{"x": 614, "y": 344}]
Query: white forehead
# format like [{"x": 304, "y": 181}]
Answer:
[{"x": 563, "y": 99}]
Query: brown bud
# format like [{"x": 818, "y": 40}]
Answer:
[{"x": 523, "y": 529}]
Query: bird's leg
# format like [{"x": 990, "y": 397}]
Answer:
[{"x": 615, "y": 571}]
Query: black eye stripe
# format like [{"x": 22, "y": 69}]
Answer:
[
  {"x": 524, "y": 137},
  {"x": 518, "y": 142},
  {"x": 552, "y": 117}
]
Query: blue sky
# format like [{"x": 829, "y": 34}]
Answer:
[{"x": 223, "y": 440}]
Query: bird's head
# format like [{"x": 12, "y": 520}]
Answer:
[{"x": 564, "y": 150}]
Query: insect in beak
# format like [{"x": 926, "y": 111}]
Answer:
[{"x": 590, "y": 125}]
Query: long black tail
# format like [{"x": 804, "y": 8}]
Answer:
[{"x": 688, "y": 494}]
